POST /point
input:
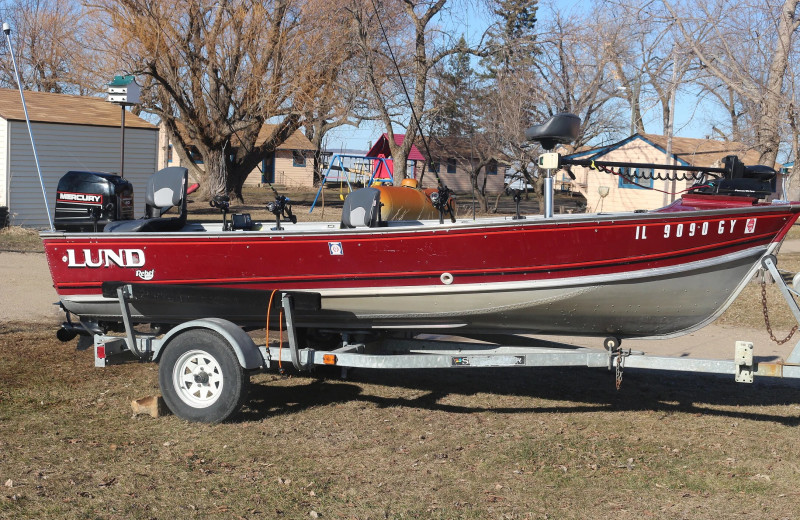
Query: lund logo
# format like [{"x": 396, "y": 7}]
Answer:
[
  {"x": 80, "y": 197},
  {"x": 104, "y": 258}
]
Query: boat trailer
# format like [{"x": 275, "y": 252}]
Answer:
[{"x": 205, "y": 363}]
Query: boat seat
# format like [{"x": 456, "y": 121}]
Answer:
[
  {"x": 165, "y": 188},
  {"x": 559, "y": 129},
  {"x": 362, "y": 208}
]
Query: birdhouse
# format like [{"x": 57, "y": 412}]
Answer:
[{"x": 123, "y": 91}]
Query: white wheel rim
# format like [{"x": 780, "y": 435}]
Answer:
[{"x": 197, "y": 379}]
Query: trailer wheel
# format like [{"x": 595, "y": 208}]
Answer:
[{"x": 201, "y": 378}]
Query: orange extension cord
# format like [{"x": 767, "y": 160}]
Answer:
[{"x": 280, "y": 328}]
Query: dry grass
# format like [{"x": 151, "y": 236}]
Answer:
[
  {"x": 461, "y": 444},
  {"x": 20, "y": 239}
]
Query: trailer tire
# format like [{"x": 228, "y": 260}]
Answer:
[{"x": 201, "y": 378}]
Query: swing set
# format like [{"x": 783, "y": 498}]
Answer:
[{"x": 375, "y": 169}]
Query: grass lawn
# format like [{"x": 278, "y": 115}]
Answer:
[{"x": 527, "y": 443}]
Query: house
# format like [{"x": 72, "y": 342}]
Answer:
[
  {"x": 292, "y": 164},
  {"x": 71, "y": 133},
  {"x": 636, "y": 189},
  {"x": 451, "y": 159}
]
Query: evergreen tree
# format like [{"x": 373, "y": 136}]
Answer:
[
  {"x": 511, "y": 43},
  {"x": 453, "y": 96}
]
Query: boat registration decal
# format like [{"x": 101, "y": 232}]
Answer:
[
  {"x": 691, "y": 229},
  {"x": 335, "y": 248}
]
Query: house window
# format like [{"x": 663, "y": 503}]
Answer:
[
  {"x": 434, "y": 166},
  {"x": 491, "y": 168},
  {"x": 268, "y": 168},
  {"x": 298, "y": 159},
  {"x": 169, "y": 154},
  {"x": 451, "y": 165},
  {"x": 637, "y": 178}
]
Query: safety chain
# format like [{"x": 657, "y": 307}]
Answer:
[
  {"x": 620, "y": 367},
  {"x": 766, "y": 315}
]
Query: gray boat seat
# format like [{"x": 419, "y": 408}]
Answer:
[
  {"x": 165, "y": 188},
  {"x": 362, "y": 208}
]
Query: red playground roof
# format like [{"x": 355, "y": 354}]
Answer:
[{"x": 381, "y": 146}]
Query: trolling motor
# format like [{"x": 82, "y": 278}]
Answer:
[
  {"x": 441, "y": 201},
  {"x": 280, "y": 207},
  {"x": 733, "y": 178}
]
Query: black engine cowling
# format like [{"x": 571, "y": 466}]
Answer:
[{"x": 87, "y": 201}]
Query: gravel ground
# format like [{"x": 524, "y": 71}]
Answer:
[{"x": 26, "y": 289}]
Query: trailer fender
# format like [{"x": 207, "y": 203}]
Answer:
[{"x": 246, "y": 350}]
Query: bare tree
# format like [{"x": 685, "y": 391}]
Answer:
[
  {"x": 746, "y": 48},
  {"x": 574, "y": 66},
  {"x": 340, "y": 102},
  {"x": 48, "y": 38},
  {"x": 397, "y": 74},
  {"x": 216, "y": 71},
  {"x": 515, "y": 105}
]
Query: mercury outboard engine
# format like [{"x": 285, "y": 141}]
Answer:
[{"x": 87, "y": 201}]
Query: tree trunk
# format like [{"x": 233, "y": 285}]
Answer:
[
  {"x": 479, "y": 191},
  {"x": 768, "y": 129},
  {"x": 399, "y": 163},
  {"x": 538, "y": 192},
  {"x": 216, "y": 175}
]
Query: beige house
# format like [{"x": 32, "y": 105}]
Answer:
[
  {"x": 71, "y": 133},
  {"x": 609, "y": 193},
  {"x": 292, "y": 164}
]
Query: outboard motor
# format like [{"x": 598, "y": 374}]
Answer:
[{"x": 87, "y": 201}]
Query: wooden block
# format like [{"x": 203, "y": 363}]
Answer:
[{"x": 152, "y": 405}]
